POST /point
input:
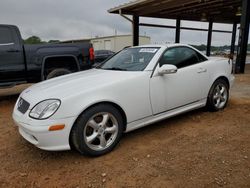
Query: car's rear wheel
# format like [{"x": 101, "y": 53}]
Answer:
[
  {"x": 218, "y": 95},
  {"x": 97, "y": 131}
]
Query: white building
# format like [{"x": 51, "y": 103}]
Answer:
[{"x": 117, "y": 42}]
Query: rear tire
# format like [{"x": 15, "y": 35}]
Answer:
[
  {"x": 218, "y": 96},
  {"x": 58, "y": 72},
  {"x": 97, "y": 130}
]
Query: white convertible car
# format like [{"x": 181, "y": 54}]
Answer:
[{"x": 89, "y": 111}]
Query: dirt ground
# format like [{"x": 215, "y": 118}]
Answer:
[{"x": 197, "y": 149}]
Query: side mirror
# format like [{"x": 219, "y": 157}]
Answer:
[{"x": 167, "y": 69}]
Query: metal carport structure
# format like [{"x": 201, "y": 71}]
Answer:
[{"x": 219, "y": 11}]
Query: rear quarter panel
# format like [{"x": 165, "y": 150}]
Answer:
[{"x": 219, "y": 67}]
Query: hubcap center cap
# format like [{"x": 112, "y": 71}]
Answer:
[{"x": 101, "y": 130}]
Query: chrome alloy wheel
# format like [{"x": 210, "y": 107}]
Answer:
[
  {"x": 100, "y": 131},
  {"x": 220, "y": 96}
]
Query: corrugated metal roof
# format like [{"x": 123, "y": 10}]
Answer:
[{"x": 218, "y": 10}]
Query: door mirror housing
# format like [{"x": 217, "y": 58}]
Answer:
[{"x": 167, "y": 69}]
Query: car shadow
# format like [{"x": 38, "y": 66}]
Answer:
[
  {"x": 168, "y": 122},
  {"x": 127, "y": 137},
  {"x": 9, "y": 98}
]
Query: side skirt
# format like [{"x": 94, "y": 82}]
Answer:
[{"x": 155, "y": 118}]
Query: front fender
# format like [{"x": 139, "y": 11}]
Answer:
[{"x": 132, "y": 97}]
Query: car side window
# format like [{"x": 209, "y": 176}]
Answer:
[
  {"x": 6, "y": 35},
  {"x": 180, "y": 57},
  {"x": 201, "y": 57}
]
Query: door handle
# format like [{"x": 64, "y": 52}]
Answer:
[
  {"x": 13, "y": 50},
  {"x": 201, "y": 70}
]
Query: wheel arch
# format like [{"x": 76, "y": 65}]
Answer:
[
  {"x": 46, "y": 58},
  {"x": 118, "y": 107},
  {"x": 217, "y": 78},
  {"x": 225, "y": 79}
]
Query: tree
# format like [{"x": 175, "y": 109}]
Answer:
[
  {"x": 53, "y": 41},
  {"x": 33, "y": 40},
  {"x": 200, "y": 47}
]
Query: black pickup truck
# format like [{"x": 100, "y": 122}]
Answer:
[{"x": 20, "y": 63}]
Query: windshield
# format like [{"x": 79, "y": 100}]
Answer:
[{"x": 130, "y": 59}]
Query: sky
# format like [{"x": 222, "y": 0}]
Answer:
[{"x": 78, "y": 19}]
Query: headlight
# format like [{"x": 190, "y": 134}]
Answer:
[{"x": 45, "y": 109}]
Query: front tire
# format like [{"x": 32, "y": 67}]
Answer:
[
  {"x": 97, "y": 130},
  {"x": 218, "y": 96}
]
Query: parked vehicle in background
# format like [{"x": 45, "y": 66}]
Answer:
[
  {"x": 20, "y": 63},
  {"x": 102, "y": 55},
  {"x": 89, "y": 111}
]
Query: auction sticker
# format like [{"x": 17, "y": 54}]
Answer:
[{"x": 148, "y": 50}]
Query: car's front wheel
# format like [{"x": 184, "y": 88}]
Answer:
[
  {"x": 218, "y": 95},
  {"x": 97, "y": 131}
]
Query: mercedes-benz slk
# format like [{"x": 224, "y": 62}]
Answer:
[{"x": 89, "y": 111}]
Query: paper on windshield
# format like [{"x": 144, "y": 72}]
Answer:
[{"x": 148, "y": 50}]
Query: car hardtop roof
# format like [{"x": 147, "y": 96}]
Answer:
[
  {"x": 160, "y": 45},
  {"x": 169, "y": 46}
]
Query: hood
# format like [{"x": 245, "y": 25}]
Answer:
[{"x": 76, "y": 83}]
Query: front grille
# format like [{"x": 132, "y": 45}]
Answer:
[{"x": 23, "y": 105}]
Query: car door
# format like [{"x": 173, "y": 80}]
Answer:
[
  {"x": 12, "y": 65},
  {"x": 170, "y": 91}
]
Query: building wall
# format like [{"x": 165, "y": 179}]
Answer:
[{"x": 116, "y": 43}]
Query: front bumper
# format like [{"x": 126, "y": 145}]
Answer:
[{"x": 37, "y": 131}]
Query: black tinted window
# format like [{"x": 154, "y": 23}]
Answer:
[
  {"x": 103, "y": 52},
  {"x": 180, "y": 57},
  {"x": 5, "y": 35},
  {"x": 201, "y": 57},
  {"x": 99, "y": 52}
]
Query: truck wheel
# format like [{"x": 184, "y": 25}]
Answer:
[{"x": 57, "y": 72}]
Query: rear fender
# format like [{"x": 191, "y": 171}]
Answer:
[{"x": 53, "y": 56}]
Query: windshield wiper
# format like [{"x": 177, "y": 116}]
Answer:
[{"x": 115, "y": 68}]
